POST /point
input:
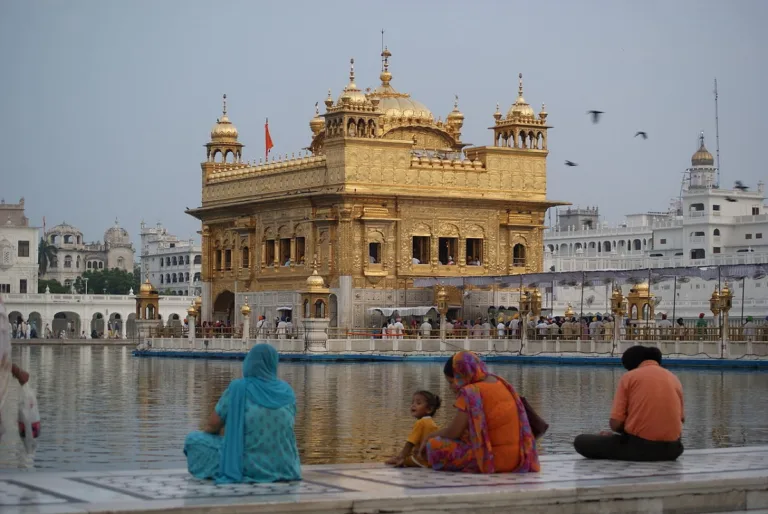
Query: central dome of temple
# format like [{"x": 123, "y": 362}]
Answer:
[{"x": 397, "y": 105}]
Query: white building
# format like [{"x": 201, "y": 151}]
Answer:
[
  {"x": 18, "y": 250},
  {"x": 74, "y": 256},
  {"x": 171, "y": 264},
  {"x": 706, "y": 226}
]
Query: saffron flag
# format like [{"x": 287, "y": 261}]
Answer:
[{"x": 268, "y": 138}]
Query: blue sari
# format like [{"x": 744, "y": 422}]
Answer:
[{"x": 259, "y": 412}]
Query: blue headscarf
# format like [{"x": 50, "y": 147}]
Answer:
[{"x": 260, "y": 385}]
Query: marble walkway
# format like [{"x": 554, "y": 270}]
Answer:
[{"x": 724, "y": 480}]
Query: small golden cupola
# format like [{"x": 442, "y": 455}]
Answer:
[
  {"x": 521, "y": 128},
  {"x": 455, "y": 119},
  {"x": 702, "y": 157},
  {"x": 354, "y": 115},
  {"x": 224, "y": 146},
  {"x": 316, "y": 124}
]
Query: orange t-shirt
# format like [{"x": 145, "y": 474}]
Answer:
[
  {"x": 649, "y": 401},
  {"x": 503, "y": 423}
]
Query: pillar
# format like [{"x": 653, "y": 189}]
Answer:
[
  {"x": 191, "y": 324},
  {"x": 246, "y": 328}
]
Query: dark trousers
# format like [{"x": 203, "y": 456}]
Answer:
[{"x": 626, "y": 447}]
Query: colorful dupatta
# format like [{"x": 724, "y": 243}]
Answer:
[{"x": 468, "y": 371}]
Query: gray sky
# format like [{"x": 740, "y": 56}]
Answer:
[{"x": 106, "y": 105}]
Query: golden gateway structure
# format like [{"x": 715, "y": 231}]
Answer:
[{"x": 386, "y": 194}]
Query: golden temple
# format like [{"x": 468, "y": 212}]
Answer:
[{"x": 386, "y": 193}]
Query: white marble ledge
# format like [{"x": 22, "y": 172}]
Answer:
[{"x": 723, "y": 480}]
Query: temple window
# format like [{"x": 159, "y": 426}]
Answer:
[
  {"x": 161, "y": 277},
  {"x": 168, "y": 261},
  {"x": 228, "y": 259},
  {"x": 421, "y": 249},
  {"x": 269, "y": 252},
  {"x": 518, "y": 255},
  {"x": 67, "y": 239},
  {"x": 68, "y": 261},
  {"x": 173, "y": 278},
  {"x": 474, "y": 254},
  {"x": 447, "y": 250},
  {"x": 374, "y": 253},
  {"x": 186, "y": 260},
  {"x": 319, "y": 309},
  {"x": 89, "y": 264},
  {"x": 101, "y": 265},
  {"x": 173, "y": 261},
  {"x": 300, "y": 250},
  {"x": 198, "y": 259},
  {"x": 217, "y": 260},
  {"x": 285, "y": 251},
  {"x": 246, "y": 257}
]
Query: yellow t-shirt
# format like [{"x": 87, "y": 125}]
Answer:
[{"x": 421, "y": 429}]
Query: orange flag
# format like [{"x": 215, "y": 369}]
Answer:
[{"x": 268, "y": 138}]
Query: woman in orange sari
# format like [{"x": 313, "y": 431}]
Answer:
[{"x": 491, "y": 432}]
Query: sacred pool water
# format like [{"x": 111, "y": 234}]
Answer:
[{"x": 105, "y": 409}]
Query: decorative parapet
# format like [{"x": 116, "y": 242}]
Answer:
[
  {"x": 223, "y": 172},
  {"x": 435, "y": 161}
]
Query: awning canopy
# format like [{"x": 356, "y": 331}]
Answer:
[
  {"x": 562, "y": 278},
  {"x": 404, "y": 311}
]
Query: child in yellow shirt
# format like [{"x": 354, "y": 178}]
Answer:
[{"x": 424, "y": 405}]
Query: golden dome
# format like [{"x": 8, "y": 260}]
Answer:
[
  {"x": 223, "y": 130},
  {"x": 520, "y": 108},
  {"x": 397, "y": 105},
  {"x": 315, "y": 281},
  {"x": 191, "y": 310},
  {"x": 198, "y": 302},
  {"x": 317, "y": 123},
  {"x": 455, "y": 116},
  {"x": 245, "y": 310},
  {"x": 702, "y": 157},
  {"x": 146, "y": 287},
  {"x": 351, "y": 93},
  {"x": 642, "y": 286}
]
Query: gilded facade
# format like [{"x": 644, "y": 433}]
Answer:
[{"x": 387, "y": 193}]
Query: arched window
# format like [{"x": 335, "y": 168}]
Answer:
[
  {"x": 716, "y": 232},
  {"x": 186, "y": 260},
  {"x": 77, "y": 263},
  {"x": 167, "y": 278},
  {"x": 173, "y": 278},
  {"x": 637, "y": 244},
  {"x": 197, "y": 277},
  {"x": 167, "y": 261},
  {"x": 198, "y": 259},
  {"x": 606, "y": 246},
  {"x": 173, "y": 261},
  {"x": 161, "y": 279},
  {"x": 186, "y": 276},
  {"x": 246, "y": 257},
  {"x": 161, "y": 262},
  {"x": 518, "y": 255},
  {"x": 68, "y": 261},
  {"x": 89, "y": 265},
  {"x": 101, "y": 265},
  {"x": 120, "y": 263}
]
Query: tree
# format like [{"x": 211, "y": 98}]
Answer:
[
  {"x": 136, "y": 276},
  {"x": 114, "y": 281},
  {"x": 46, "y": 254},
  {"x": 53, "y": 285}
]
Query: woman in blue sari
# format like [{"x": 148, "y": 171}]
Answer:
[{"x": 257, "y": 413}]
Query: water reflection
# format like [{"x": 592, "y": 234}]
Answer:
[{"x": 104, "y": 409}]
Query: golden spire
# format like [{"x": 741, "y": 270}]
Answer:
[
  {"x": 497, "y": 114},
  {"x": 386, "y": 76},
  {"x": 520, "y": 85},
  {"x": 224, "y": 109},
  {"x": 352, "y": 72},
  {"x": 329, "y": 100}
]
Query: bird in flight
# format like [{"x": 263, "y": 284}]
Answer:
[
  {"x": 570, "y": 163},
  {"x": 595, "y": 115},
  {"x": 740, "y": 186},
  {"x": 729, "y": 199},
  {"x": 641, "y": 133}
]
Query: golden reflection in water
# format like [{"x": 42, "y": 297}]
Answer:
[{"x": 102, "y": 408}]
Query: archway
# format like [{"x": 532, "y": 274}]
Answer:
[
  {"x": 116, "y": 325},
  {"x": 36, "y": 322},
  {"x": 97, "y": 326},
  {"x": 66, "y": 325},
  {"x": 130, "y": 326},
  {"x": 174, "y": 323},
  {"x": 224, "y": 306},
  {"x": 15, "y": 317}
]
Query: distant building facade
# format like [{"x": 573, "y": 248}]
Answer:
[
  {"x": 74, "y": 256},
  {"x": 170, "y": 264},
  {"x": 18, "y": 250}
]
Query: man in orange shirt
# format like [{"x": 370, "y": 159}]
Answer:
[{"x": 647, "y": 415}]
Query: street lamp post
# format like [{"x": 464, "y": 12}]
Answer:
[
  {"x": 525, "y": 310},
  {"x": 721, "y": 302},
  {"x": 617, "y": 308},
  {"x": 86, "y": 285}
]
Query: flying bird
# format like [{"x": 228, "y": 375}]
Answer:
[
  {"x": 595, "y": 115},
  {"x": 570, "y": 163},
  {"x": 641, "y": 133},
  {"x": 740, "y": 186},
  {"x": 729, "y": 199}
]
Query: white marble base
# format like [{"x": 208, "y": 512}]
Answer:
[{"x": 726, "y": 480}]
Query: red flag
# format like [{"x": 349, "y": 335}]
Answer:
[{"x": 268, "y": 138}]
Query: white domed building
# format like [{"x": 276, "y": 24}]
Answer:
[{"x": 74, "y": 256}]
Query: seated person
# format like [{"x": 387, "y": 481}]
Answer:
[
  {"x": 424, "y": 405},
  {"x": 258, "y": 412},
  {"x": 647, "y": 415}
]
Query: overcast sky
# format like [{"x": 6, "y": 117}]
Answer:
[{"x": 106, "y": 105}]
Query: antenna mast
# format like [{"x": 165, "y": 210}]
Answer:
[
  {"x": 717, "y": 135},
  {"x": 382, "y": 49}
]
